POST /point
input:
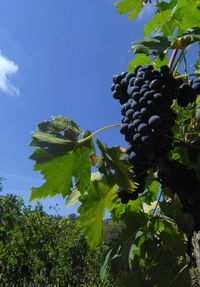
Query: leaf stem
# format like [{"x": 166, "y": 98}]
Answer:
[{"x": 98, "y": 131}]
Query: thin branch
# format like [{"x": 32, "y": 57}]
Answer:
[{"x": 158, "y": 201}]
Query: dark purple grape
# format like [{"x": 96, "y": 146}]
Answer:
[
  {"x": 154, "y": 122},
  {"x": 136, "y": 68},
  {"x": 141, "y": 75},
  {"x": 137, "y": 138},
  {"x": 139, "y": 82},
  {"x": 124, "y": 129},
  {"x": 196, "y": 87},
  {"x": 132, "y": 157},
  {"x": 164, "y": 69},
  {"x": 149, "y": 95},
  {"x": 136, "y": 115},
  {"x": 117, "y": 79},
  {"x": 142, "y": 101},
  {"x": 148, "y": 139},
  {"x": 143, "y": 129},
  {"x": 129, "y": 114},
  {"x": 136, "y": 96},
  {"x": 155, "y": 84},
  {"x": 136, "y": 123}
]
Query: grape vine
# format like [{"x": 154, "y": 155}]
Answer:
[{"x": 153, "y": 184}]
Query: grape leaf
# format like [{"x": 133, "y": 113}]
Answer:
[
  {"x": 63, "y": 162},
  {"x": 159, "y": 43},
  {"x": 92, "y": 210},
  {"x": 62, "y": 173},
  {"x": 140, "y": 59},
  {"x": 138, "y": 49},
  {"x": 116, "y": 168},
  {"x": 133, "y": 7},
  {"x": 186, "y": 20}
]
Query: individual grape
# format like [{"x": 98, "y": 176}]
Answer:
[
  {"x": 164, "y": 69},
  {"x": 136, "y": 123},
  {"x": 143, "y": 129},
  {"x": 129, "y": 113},
  {"x": 149, "y": 95},
  {"x": 155, "y": 84},
  {"x": 141, "y": 74},
  {"x": 154, "y": 121},
  {"x": 137, "y": 138},
  {"x": 136, "y": 96},
  {"x": 156, "y": 74},
  {"x": 124, "y": 129},
  {"x": 136, "y": 115},
  {"x": 142, "y": 101},
  {"x": 196, "y": 86},
  {"x": 132, "y": 157},
  {"x": 139, "y": 82}
]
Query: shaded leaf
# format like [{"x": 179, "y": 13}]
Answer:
[
  {"x": 159, "y": 43},
  {"x": 116, "y": 167},
  {"x": 138, "y": 49}
]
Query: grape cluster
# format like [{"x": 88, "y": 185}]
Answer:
[{"x": 146, "y": 96}]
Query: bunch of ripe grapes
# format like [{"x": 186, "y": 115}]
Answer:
[{"x": 146, "y": 96}]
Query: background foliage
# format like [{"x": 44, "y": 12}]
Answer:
[{"x": 37, "y": 249}]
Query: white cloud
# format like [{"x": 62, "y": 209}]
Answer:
[{"x": 7, "y": 69}]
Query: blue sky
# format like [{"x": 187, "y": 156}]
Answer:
[{"x": 57, "y": 58}]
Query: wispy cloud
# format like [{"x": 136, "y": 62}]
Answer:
[
  {"x": 7, "y": 69},
  {"x": 16, "y": 177}
]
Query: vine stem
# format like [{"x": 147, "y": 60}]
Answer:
[
  {"x": 157, "y": 204},
  {"x": 173, "y": 56},
  {"x": 98, "y": 131},
  {"x": 186, "y": 75},
  {"x": 179, "y": 60}
]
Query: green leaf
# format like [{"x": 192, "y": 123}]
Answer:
[
  {"x": 159, "y": 22},
  {"x": 63, "y": 162},
  {"x": 159, "y": 43},
  {"x": 116, "y": 168},
  {"x": 133, "y": 7},
  {"x": 99, "y": 197},
  {"x": 186, "y": 20},
  {"x": 55, "y": 137},
  {"x": 62, "y": 173},
  {"x": 140, "y": 59},
  {"x": 112, "y": 254},
  {"x": 138, "y": 49}
]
